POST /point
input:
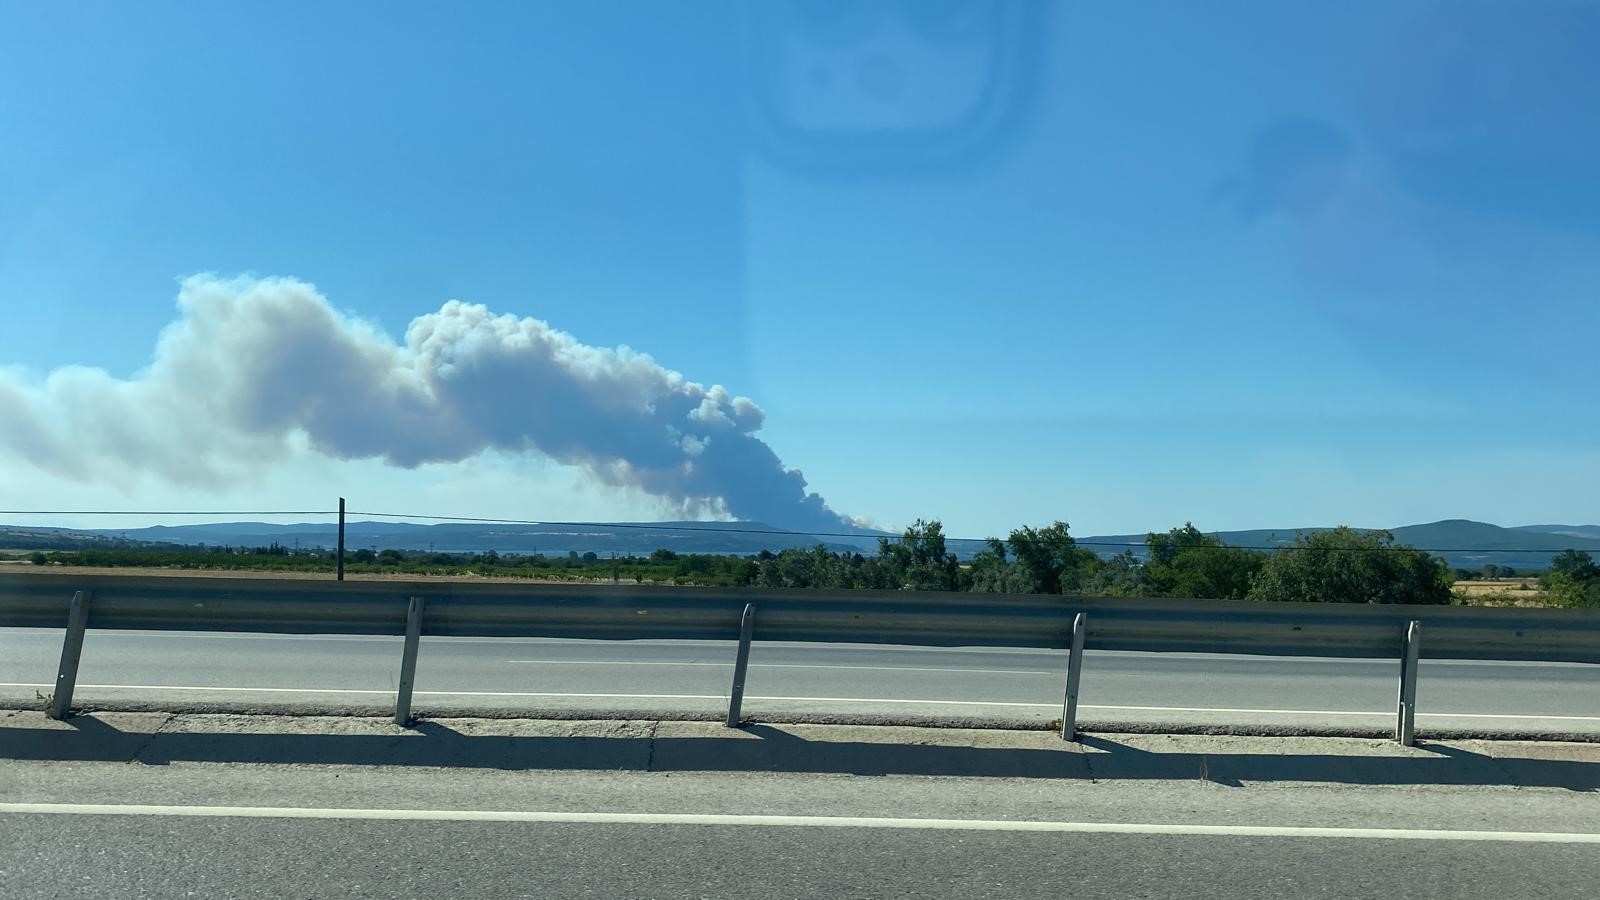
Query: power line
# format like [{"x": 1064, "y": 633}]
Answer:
[
  {"x": 1277, "y": 547},
  {"x": 168, "y": 512},
  {"x": 657, "y": 526},
  {"x": 653, "y": 526},
  {"x": 897, "y": 537}
]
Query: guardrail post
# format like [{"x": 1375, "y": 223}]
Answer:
[
  {"x": 71, "y": 652},
  {"x": 1405, "y": 728},
  {"x": 408, "y": 662},
  {"x": 1069, "y": 706},
  {"x": 741, "y": 663}
]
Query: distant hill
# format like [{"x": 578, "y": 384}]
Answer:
[
  {"x": 623, "y": 538},
  {"x": 1472, "y": 544},
  {"x": 29, "y": 537},
  {"x": 1260, "y": 538},
  {"x": 1580, "y": 531},
  {"x": 1462, "y": 542}
]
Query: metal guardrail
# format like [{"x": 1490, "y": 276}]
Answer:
[{"x": 628, "y": 612}]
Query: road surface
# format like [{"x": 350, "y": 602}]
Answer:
[
  {"x": 206, "y": 829},
  {"x": 116, "y": 857},
  {"x": 692, "y": 677}
]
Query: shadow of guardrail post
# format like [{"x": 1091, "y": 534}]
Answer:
[{"x": 709, "y": 747}]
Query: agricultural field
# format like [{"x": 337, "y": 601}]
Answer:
[{"x": 1502, "y": 592}]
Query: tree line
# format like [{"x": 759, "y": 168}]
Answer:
[{"x": 1342, "y": 565}]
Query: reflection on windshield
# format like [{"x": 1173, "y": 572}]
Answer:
[{"x": 1260, "y": 265}]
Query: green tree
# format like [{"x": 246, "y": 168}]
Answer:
[
  {"x": 991, "y": 572},
  {"x": 696, "y": 566},
  {"x": 1575, "y": 564},
  {"x": 1349, "y": 566},
  {"x": 1187, "y": 563},
  {"x": 1564, "y": 590},
  {"x": 1120, "y": 576},
  {"x": 1035, "y": 561},
  {"x": 1050, "y": 559},
  {"x": 919, "y": 561},
  {"x": 38, "y": 558},
  {"x": 817, "y": 567},
  {"x": 1573, "y": 580}
]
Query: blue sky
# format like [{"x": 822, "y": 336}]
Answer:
[{"x": 1250, "y": 265}]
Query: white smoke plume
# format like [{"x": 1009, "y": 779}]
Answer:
[{"x": 250, "y": 365}]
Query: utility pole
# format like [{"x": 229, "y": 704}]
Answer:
[{"x": 341, "y": 538}]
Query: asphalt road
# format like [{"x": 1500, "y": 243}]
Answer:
[
  {"x": 114, "y": 830},
  {"x": 174, "y": 856},
  {"x": 155, "y": 805},
  {"x": 664, "y": 678}
]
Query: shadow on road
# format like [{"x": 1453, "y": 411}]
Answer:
[{"x": 766, "y": 748}]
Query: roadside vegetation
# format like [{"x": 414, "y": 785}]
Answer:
[
  {"x": 1573, "y": 580},
  {"x": 1342, "y": 565},
  {"x": 660, "y": 567}
]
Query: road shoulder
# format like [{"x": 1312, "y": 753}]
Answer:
[{"x": 661, "y": 767}]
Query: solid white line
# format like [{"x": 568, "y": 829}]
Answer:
[
  {"x": 729, "y": 665},
  {"x": 600, "y": 818},
  {"x": 907, "y": 669},
  {"x": 918, "y": 702},
  {"x": 605, "y": 662},
  {"x": 720, "y": 697},
  {"x": 226, "y": 636},
  {"x": 388, "y": 693}
]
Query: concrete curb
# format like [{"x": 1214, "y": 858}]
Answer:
[
  {"x": 570, "y": 714},
  {"x": 667, "y": 746}
]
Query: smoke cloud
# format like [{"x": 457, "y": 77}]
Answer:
[{"x": 252, "y": 365}]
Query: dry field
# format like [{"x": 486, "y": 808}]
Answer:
[
  {"x": 1490, "y": 592},
  {"x": 1502, "y": 592},
  {"x": 23, "y": 565}
]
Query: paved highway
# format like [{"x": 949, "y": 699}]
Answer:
[
  {"x": 666, "y": 677},
  {"x": 177, "y": 856},
  {"x": 114, "y": 830}
]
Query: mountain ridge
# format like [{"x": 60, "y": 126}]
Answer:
[
  {"x": 1463, "y": 542},
  {"x": 1583, "y": 531}
]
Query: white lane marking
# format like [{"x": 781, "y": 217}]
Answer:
[
  {"x": 1343, "y": 712},
  {"x": 722, "y": 697},
  {"x": 729, "y": 665},
  {"x": 104, "y": 635},
  {"x": 1175, "y": 709},
  {"x": 383, "y": 693},
  {"x": 601, "y": 818}
]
